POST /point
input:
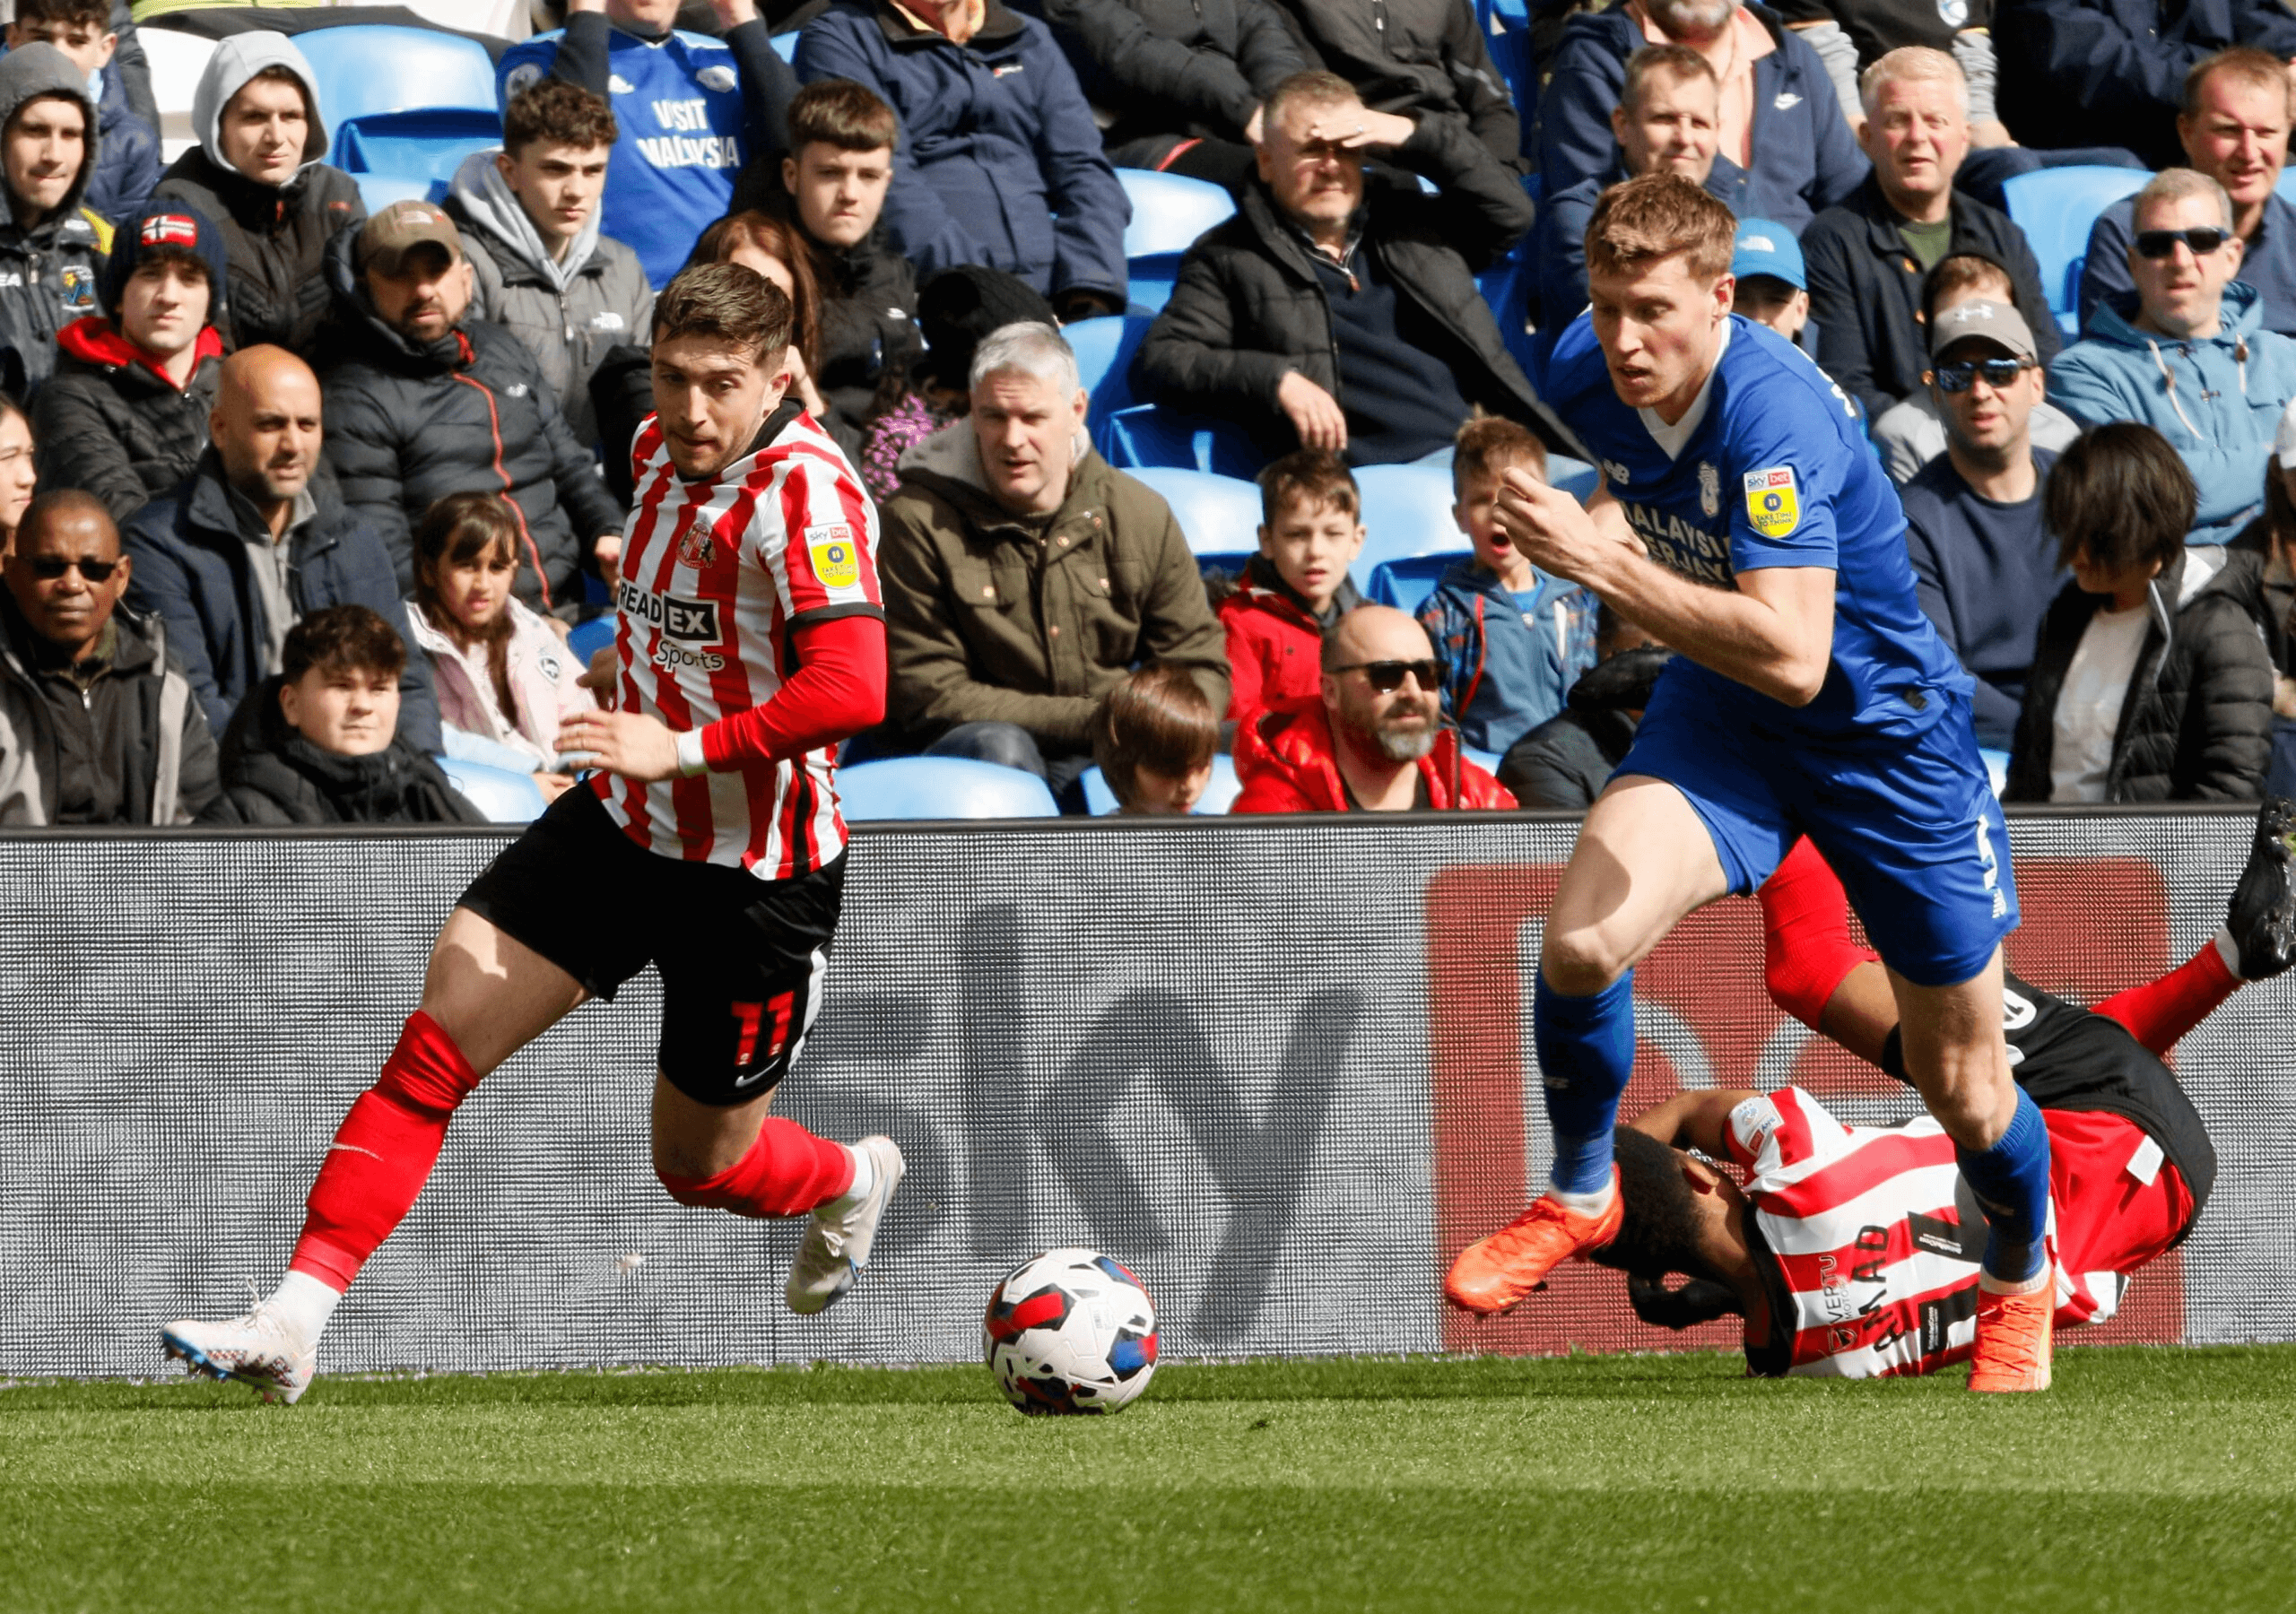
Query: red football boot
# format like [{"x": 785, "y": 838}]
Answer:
[{"x": 1493, "y": 1274}]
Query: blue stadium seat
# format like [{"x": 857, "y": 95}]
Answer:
[
  {"x": 1104, "y": 348},
  {"x": 2286, "y": 185},
  {"x": 409, "y": 101},
  {"x": 503, "y": 796},
  {"x": 1486, "y": 760},
  {"x": 1575, "y": 477},
  {"x": 379, "y": 191},
  {"x": 1405, "y": 584},
  {"x": 1406, "y": 511},
  {"x": 1099, "y": 800},
  {"x": 2055, "y": 208},
  {"x": 1169, "y": 211},
  {"x": 1146, "y": 434},
  {"x": 941, "y": 787},
  {"x": 1219, "y": 514},
  {"x": 590, "y": 638},
  {"x": 785, "y": 45}
]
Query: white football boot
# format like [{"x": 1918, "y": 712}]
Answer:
[
  {"x": 839, "y": 1234},
  {"x": 261, "y": 1348}
]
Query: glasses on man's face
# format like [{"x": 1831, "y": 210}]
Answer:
[
  {"x": 1997, "y": 373},
  {"x": 2160, "y": 243},
  {"x": 1386, "y": 676},
  {"x": 48, "y": 569}
]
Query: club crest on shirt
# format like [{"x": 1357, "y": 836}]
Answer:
[
  {"x": 837, "y": 560},
  {"x": 78, "y": 288},
  {"x": 1773, "y": 501},
  {"x": 698, "y": 548},
  {"x": 1709, "y": 488}
]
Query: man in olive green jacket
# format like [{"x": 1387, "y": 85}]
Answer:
[{"x": 1024, "y": 576}]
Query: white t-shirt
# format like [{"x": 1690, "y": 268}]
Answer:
[{"x": 2088, "y": 708}]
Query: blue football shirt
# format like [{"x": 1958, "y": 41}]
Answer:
[{"x": 1774, "y": 472}]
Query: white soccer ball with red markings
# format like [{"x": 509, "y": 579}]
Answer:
[{"x": 1070, "y": 1331}]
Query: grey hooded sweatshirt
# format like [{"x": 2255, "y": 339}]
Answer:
[
  {"x": 50, "y": 267},
  {"x": 275, "y": 235},
  {"x": 566, "y": 311}
]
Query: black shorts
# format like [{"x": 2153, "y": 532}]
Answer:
[{"x": 742, "y": 960}]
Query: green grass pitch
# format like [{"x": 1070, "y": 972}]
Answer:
[{"x": 2149, "y": 1479}]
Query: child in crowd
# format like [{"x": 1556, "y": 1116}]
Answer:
[
  {"x": 127, "y": 148},
  {"x": 506, "y": 680},
  {"x": 1512, "y": 640},
  {"x": 1311, "y": 530},
  {"x": 317, "y": 743},
  {"x": 1154, "y": 736}
]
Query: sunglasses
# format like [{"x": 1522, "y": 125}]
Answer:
[
  {"x": 1386, "y": 676},
  {"x": 2160, "y": 243},
  {"x": 48, "y": 568},
  {"x": 1998, "y": 373}
]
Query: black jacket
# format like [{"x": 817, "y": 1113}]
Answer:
[
  {"x": 271, "y": 775},
  {"x": 1160, "y": 71},
  {"x": 1416, "y": 57},
  {"x": 868, "y": 328},
  {"x": 275, "y": 237},
  {"x": 2196, "y": 723},
  {"x": 1563, "y": 763},
  {"x": 191, "y": 571},
  {"x": 110, "y": 423},
  {"x": 1866, "y": 291},
  {"x": 405, "y": 426},
  {"x": 1248, "y": 307}
]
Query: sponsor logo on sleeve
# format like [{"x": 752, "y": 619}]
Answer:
[
  {"x": 1773, "y": 501},
  {"x": 836, "y": 557}
]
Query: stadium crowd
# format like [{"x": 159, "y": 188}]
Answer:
[{"x": 304, "y": 505}]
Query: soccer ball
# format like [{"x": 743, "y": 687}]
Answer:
[{"x": 1070, "y": 1331}]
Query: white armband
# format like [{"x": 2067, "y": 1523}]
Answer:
[{"x": 690, "y": 761}]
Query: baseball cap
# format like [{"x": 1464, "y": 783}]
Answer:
[
  {"x": 1982, "y": 319},
  {"x": 386, "y": 239},
  {"x": 2283, "y": 441},
  {"x": 1765, "y": 247}
]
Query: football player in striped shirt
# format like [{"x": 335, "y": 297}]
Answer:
[
  {"x": 1852, "y": 1251},
  {"x": 750, "y": 642}
]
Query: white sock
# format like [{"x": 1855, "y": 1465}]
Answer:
[
  {"x": 865, "y": 1177},
  {"x": 304, "y": 1303},
  {"x": 2227, "y": 951},
  {"x": 1592, "y": 1203}
]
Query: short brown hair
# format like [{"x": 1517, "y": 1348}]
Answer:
[
  {"x": 777, "y": 238},
  {"x": 838, "y": 112},
  {"x": 1676, "y": 61},
  {"x": 348, "y": 637},
  {"x": 1314, "y": 477},
  {"x": 71, "y": 13},
  {"x": 735, "y": 305},
  {"x": 1315, "y": 88},
  {"x": 1652, "y": 218},
  {"x": 2257, "y": 69},
  {"x": 1963, "y": 272},
  {"x": 1488, "y": 444},
  {"x": 1155, "y": 717},
  {"x": 550, "y": 111},
  {"x": 2120, "y": 496}
]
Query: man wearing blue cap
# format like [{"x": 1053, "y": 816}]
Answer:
[{"x": 1773, "y": 286}]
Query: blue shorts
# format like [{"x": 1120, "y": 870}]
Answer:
[{"x": 1910, "y": 826}]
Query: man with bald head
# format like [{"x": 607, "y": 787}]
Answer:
[
  {"x": 1375, "y": 742},
  {"x": 256, "y": 538},
  {"x": 97, "y": 721}
]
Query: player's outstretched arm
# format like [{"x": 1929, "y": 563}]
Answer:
[
  {"x": 1773, "y": 633},
  {"x": 1699, "y": 1121}
]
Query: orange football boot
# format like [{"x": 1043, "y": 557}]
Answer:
[
  {"x": 2012, "y": 1338},
  {"x": 1493, "y": 1274}
]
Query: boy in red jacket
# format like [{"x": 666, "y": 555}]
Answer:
[{"x": 1311, "y": 531}]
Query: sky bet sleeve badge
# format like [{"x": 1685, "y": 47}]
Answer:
[
  {"x": 837, "y": 563},
  {"x": 1773, "y": 503}
]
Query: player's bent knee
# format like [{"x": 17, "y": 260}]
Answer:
[
  {"x": 426, "y": 1072},
  {"x": 1581, "y": 963}
]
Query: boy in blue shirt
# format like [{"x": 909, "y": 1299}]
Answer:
[
  {"x": 1512, "y": 640},
  {"x": 1745, "y": 524}
]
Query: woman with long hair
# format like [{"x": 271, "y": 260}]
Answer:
[{"x": 760, "y": 241}]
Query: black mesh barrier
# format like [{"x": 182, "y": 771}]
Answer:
[{"x": 1281, "y": 1069}]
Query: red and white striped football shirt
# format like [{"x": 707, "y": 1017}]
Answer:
[
  {"x": 1877, "y": 1238},
  {"x": 714, "y": 574}
]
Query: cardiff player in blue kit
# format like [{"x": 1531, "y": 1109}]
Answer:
[{"x": 1744, "y": 522}]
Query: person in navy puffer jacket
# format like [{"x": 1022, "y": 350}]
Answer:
[{"x": 999, "y": 161}]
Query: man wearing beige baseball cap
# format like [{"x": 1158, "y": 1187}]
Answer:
[
  {"x": 422, "y": 401},
  {"x": 1983, "y": 560}
]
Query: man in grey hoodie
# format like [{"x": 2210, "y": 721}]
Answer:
[
  {"x": 256, "y": 172},
  {"x": 52, "y": 249},
  {"x": 528, "y": 215}
]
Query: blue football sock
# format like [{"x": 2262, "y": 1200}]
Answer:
[
  {"x": 2011, "y": 1180},
  {"x": 1586, "y": 1048}
]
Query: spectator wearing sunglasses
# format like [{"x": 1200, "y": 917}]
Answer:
[
  {"x": 2234, "y": 128},
  {"x": 2187, "y": 353},
  {"x": 97, "y": 721},
  {"x": 1374, "y": 743},
  {"x": 1983, "y": 559}
]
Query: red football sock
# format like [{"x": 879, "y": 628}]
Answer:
[
  {"x": 786, "y": 1172},
  {"x": 383, "y": 1153},
  {"x": 2160, "y": 1012},
  {"x": 1806, "y": 952}
]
